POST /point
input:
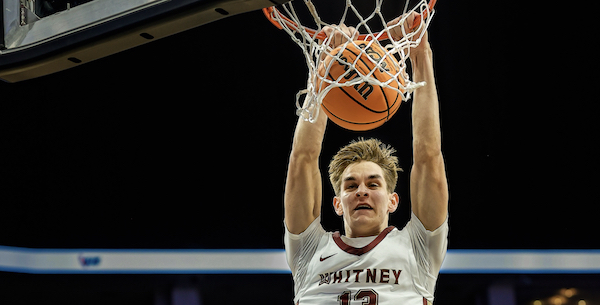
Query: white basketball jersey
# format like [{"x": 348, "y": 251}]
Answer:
[{"x": 395, "y": 267}]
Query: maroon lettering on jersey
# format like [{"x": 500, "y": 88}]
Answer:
[
  {"x": 371, "y": 275},
  {"x": 365, "y": 275},
  {"x": 397, "y": 275},
  {"x": 337, "y": 277},
  {"x": 385, "y": 275},
  {"x": 357, "y": 274}
]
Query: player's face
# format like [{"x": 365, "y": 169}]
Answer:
[{"x": 364, "y": 200}]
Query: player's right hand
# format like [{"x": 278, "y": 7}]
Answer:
[{"x": 340, "y": 35}]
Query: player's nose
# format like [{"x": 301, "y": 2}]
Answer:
[{"x": 362, "y": 190}]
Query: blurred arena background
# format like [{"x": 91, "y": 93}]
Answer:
[{"x": 182, "y": 144}]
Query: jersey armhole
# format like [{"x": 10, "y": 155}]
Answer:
[
  {"x": 421, "y": 227},
  {"x": 310, "y": 228}
]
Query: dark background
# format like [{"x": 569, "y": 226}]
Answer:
[{"x": 184, "y": 142}]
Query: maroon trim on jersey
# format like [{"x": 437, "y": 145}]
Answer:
[{"x": 360, "y": 251}]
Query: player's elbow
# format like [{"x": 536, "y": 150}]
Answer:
[
  {"x": 307, "y": 153},
  {"x": 426, "y": 151},
  {"x": 303, "y": 160}
]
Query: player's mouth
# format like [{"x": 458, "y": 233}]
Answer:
[{"x": 363, "y": 206}]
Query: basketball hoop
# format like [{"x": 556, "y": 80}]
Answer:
[{"x": 373, "y": 26}]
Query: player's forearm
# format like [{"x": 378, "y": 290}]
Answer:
[
  {"x": 429, "y": 188},
  {"x": 302, "y": 199},
  {"x": 308, "y": 137},
  {"x": 425, "y": 116}
]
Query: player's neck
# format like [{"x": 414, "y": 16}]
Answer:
[{"x": 362, "y": 231}]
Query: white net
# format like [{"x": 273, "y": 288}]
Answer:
[{"x": 374, "y": 31}]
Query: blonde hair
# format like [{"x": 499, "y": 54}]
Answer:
[{"x": 365, "y": 150}]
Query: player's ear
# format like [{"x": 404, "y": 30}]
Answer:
[
  {"x": 337, "y": 206},
  {"x": 394, "y": 202}
]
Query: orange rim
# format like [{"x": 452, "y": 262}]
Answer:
[{"x": 268, "y": 11}]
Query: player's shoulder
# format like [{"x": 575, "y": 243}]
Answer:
[
  {"x": 398, "y": 231},
  {"x": 398, "y": 236}
]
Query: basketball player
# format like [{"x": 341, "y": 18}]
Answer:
[{"x": 373, "y": 263}]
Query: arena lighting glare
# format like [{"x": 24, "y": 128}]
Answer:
[{"x": 40, "y": 37}]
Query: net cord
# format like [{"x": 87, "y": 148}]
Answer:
[{"x": 317, "y": 51}]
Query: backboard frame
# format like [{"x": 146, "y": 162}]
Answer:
[{"x": 115, "y": 31}]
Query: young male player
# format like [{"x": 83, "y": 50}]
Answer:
[{"x": 372, "y": 263}]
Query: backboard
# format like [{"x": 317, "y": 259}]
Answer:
[{"x": 39, "y": 37}]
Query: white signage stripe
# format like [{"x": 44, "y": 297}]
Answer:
[
  {"x": 72, "y": 261},
  {"x": 522, "y": 261}
]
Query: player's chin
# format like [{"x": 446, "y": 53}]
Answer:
[{"x": 364, "y": 216}]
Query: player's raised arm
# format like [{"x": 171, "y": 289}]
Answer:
[
  {"x": 428, "y": 186},
  {"x": 303, "y": 187}
]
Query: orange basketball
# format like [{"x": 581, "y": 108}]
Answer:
[{"x": 363, "y": 106}]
